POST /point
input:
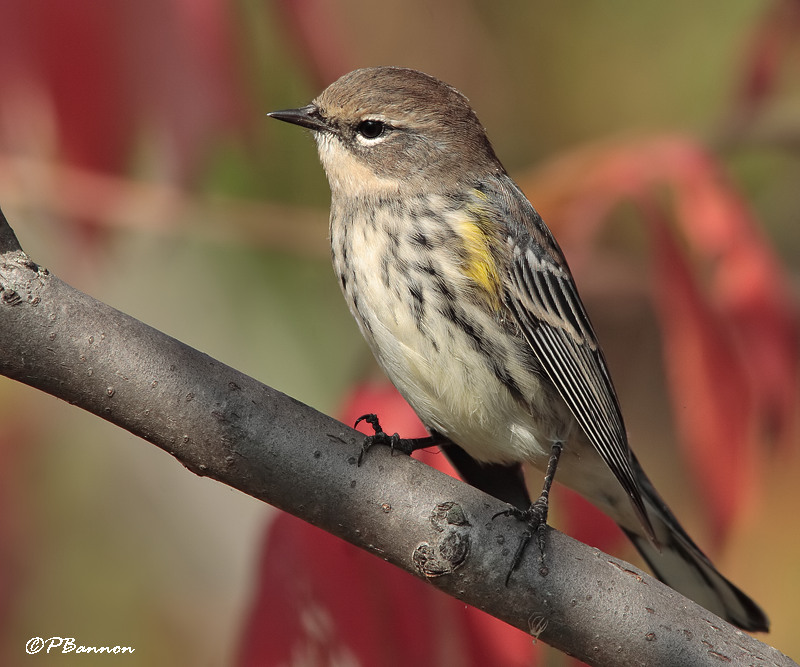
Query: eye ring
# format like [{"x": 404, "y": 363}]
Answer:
[{"x": 371, "y": 129}]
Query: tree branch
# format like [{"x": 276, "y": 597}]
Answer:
[{"x": 223, "y": 424}]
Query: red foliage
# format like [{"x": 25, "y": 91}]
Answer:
[
  {"x": 107, "y": 69},
  {"x": 84, "y": 81},
  {"x": 775, "y": 35},
  {"x": 317, "y": 39}
]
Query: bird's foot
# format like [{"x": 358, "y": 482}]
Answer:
[
  {"x": 536, "y": 515},
  {"x": 394, "y": 441},
  {"x": 536, "y": 519}
]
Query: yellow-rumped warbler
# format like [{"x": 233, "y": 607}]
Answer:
[{"x": 469, "y": 306}]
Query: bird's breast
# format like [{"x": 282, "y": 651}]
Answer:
[{"x": 416, "y": 279}]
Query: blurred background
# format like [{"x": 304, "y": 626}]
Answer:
[{"x": 660, "y": 141}]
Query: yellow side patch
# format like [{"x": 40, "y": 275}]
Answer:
[{"x": 479, "y": 265}]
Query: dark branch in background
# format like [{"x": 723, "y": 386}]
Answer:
[{"x": 223, "y": 424}]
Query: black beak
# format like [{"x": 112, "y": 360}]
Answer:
[{"x": 307, "y": 116}]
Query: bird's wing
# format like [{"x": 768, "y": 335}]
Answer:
[{"x": 541, "y": 295}]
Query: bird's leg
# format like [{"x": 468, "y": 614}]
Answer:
[
  {"x": 536, "y": 515},
  {"x": 394, "y": 441}
]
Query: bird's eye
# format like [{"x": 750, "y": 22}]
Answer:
[{"x": 371, "y": 129}]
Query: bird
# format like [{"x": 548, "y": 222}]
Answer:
[{"x": 468, "y": 304}]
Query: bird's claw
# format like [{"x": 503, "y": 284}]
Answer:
[{"x": 379, "y": 437}]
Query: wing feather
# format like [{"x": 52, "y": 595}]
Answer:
[{"x": 543, "y": 299}]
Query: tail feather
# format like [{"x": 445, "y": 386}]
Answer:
[
  {"x": 686, "y": 569},
  {"x": 679, "y": 563}
]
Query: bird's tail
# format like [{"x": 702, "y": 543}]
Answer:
[{"x": 681, "y": 564}]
